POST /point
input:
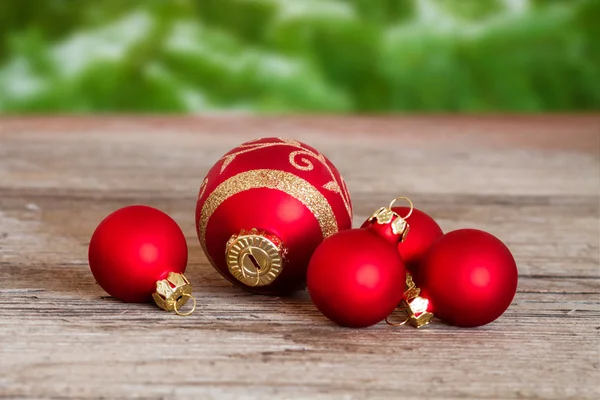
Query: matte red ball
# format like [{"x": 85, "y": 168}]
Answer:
[
  {"x": 423, "y": 232},
  {"x": 133, "y": 248},
  {"x": 356, "y": 278},
  {"x": 470, "y": 278}
]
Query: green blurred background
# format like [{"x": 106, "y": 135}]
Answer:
[{"x": 299, "y": 55}]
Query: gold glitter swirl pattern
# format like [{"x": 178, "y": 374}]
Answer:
[
  {"x": 203, "y": 188},
  {"x": 306, "y": 166},
  {"x": 286, "y": 182},
  {"x": 347, "y": 194}
]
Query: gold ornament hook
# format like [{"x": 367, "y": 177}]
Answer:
[
  {"x": 185, "y": 314},
  {"x": 410, "y": 203}
]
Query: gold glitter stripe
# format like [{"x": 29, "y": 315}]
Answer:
[{"x": 286, "y": 182}]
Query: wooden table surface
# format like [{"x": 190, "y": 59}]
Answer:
[{"x": 531, "y": 181}]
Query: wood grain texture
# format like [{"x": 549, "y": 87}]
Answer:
[{"x": 532, "y": 181}]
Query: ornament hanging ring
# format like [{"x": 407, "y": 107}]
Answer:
[
  {"x": 410, "y": 203},
  {"x": 387, "y": 321},
  {"x": 185, "y": 314},
  {"x": 246, "y": 277},
  {"x": 402, "y": 309}
]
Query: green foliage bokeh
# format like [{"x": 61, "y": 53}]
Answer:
[{"x": 299, "y": 55}]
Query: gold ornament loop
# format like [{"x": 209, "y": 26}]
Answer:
[
  {"x": 410, "y": 203},
  {"x": 402, "y": 309},
  {"x": 247, "y": 277},
  {"x": 387, "y": 321},
  {"x": 185, "y": 314}
]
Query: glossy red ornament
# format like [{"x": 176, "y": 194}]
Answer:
[
  {"x": 469, "y": 277},
  {"x": 134, "y": 248},
  {"x": 264, "y": 207},
  {"x": 356, "y": 278},
  {"x": 423, "y": 232}
]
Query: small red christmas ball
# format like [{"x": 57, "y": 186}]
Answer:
[
  {"x": 133, "y": 248},
  {"x": 423, "y": 232},
  {"x": 356, "y": 278},
  {"x": 469, "y": 277},
  {"x": 264, "y": 207}
]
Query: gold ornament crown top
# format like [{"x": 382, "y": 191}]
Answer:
[
  {"x": 385, "y": 215},
  {"x": 254, "y": 257},
  {"x": 414, "y": 306},
  {"x": 173, "y": 292}
]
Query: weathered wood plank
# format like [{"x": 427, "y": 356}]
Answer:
[{"x": 532, "y": 181}]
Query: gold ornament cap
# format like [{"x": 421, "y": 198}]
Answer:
[
  {"x": 173, "y": 293},
  {"x": 254, "y": 257},
  {"x": 385, "y": 216},
  {"x": 414, "y": 306}
]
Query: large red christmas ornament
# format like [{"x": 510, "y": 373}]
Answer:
[
  {"x": 469, "y": 277},
  {"x": 423, "y": 232},
  {"x": 356, "y": 278},
  {"x": 264, "y": 207},
  {"x": 139, "y": 253}
]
